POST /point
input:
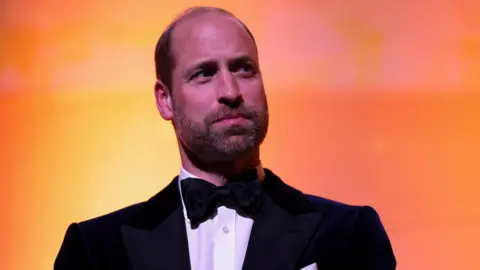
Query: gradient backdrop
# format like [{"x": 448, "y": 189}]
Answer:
[{"x": 372, "y": 102}]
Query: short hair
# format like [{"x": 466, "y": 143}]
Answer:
[{"x": 164, "y": 59}]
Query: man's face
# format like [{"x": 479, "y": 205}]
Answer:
[{"x": 219, "y": 105}]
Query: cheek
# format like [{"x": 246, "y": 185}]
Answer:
[
  {"x": 191, "y": 106},
  {"x": 254, "y": 94}
]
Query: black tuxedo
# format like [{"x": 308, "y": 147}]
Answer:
[{"x": 291, "y": 231}]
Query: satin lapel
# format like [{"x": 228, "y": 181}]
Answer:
[
  {"x": 282, "y": 230},
  {"x": 158, "y": 239},
  {"x": 278, "y": 238}
]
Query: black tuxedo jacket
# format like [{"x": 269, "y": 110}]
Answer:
[{"x": 292, "y": 230}]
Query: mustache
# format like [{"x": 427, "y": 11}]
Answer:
[{"x": 227, "y": 112}]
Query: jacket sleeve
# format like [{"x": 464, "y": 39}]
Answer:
[
  {"x": 74, "y": 253},
  {"x": 369, "y": 246}
]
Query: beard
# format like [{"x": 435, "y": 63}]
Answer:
[{"x": 222, "y": 143}]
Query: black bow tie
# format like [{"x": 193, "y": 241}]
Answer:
[{"x": 201, "y": 198}]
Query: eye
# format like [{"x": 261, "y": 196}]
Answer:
[
  {"x": 245, "y": 70},
  {"x": 203, "y": 75}
]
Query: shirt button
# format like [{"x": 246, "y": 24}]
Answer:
[{"x": 225, "y": 229}]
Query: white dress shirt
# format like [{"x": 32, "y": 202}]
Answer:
[{"x": 219, "y": 243}]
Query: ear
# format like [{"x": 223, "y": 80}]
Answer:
[{"x": 163, "y": 100}]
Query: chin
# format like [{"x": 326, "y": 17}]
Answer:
[{"x": 237, "y": 144}]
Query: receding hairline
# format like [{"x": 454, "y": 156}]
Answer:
[
  {"x": 195, "y": 12},
  {"x": 200, "y": 10},
  {"x": 164, "y": 59}
]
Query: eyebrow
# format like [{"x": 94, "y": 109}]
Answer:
[
  {"x": 241, "y": 59},
  {"x": 203, "y": 64},
  {"x": 208, "y": 63}
]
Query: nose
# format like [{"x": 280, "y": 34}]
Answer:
[{"x": 228, "y": 89}]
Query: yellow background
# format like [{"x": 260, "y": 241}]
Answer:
[{"x": 372, "y": 102}]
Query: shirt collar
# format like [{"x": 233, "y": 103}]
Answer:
[{"x": 185, "y": 174}]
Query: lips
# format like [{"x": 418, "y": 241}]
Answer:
[{"x": 231, "y": 118}]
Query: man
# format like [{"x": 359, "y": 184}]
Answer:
[{"x": 224, "y": 210}]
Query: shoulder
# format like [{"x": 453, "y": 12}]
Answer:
[
  {"x": 93, "y": 236},
  {"x": 112, "y": 220},
  {"x": 365, "y": 242},
  {"x": 328, "y": 205},
  {"x": 98, "y": 231},
  {"x": 142, "y": 215},
  {"x": 360, "y": 224},
  {"x": 342, "y": 212},
  {"x": 296, "y": 201},
  {"x": 322, "y": 203}
]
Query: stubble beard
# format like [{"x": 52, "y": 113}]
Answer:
[{"x": 215, "y": 144}]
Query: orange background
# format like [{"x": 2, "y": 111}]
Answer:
[{"x": 372, "y": 102}]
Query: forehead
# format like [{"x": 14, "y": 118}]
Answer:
[{"x": 210, "y": 36}]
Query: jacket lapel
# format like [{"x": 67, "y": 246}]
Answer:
[
  {"x": 157, "y": 239},
  {"x": 282, "y": 230}
]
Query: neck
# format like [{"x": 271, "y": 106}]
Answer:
[{"x": 218, "y": 172}]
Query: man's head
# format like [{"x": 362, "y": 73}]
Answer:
[{"x": 210, "y": 86}]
